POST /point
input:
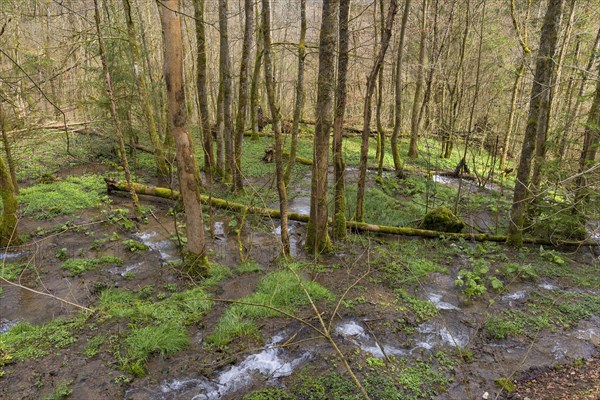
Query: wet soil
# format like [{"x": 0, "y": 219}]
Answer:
[{"x": 553, "y": 364}]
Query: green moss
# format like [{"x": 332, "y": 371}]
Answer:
[
  {"x": 443, "y": 220},
  {"x": 248, "y": 267},
  {"x": 11, "y": 271},
  {"x": 279, "y": 290},
  {"x": 77, "y": 266},
  {"x": 269, "y": 394},
  {"x": 506, "y": 385},
  {"x": 61, "y": 392},
  {"x": 46, "y": 201}
]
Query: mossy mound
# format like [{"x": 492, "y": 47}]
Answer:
[{"x": 443, "y": 220}]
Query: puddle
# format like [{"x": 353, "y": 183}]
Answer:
[
  {"x": 13, "y": 256},
  {"x": 123, "y": 271},
  {"x": 518, "y": 295},
  {"x": 269, "y": 364},
  {"x": 5, "y": 325},
  {"x": 436, "y": 334},
  {"x": 451, "y": 181},
  {"x": 299, "y": 205},
  {"x": 548, "y": 286},
  {"x": 294, "y": 236},
  {"x": 436, "y": 299},
  {"x": 165, "y": 247},
  {"x": 355, "y": 333}
]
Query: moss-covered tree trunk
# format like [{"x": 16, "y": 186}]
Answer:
[
  {"x": 371, "y": 80},
  {"x": 7, "y": 150},
  {"x": 299, "y": 102},
  {"x": 177, "y": 125},
  {"x": 276, "y": 122},
  {"x": 413, "y": 151},
  {"x": 254, "y": 97},
  {"x": 8, "y": 220},
  {"x": 201, "y": 85},
  {"x": 240, "y": 123},
  {"x": 398, "y": 90},
  {"x": 339, "y": 199},
  {"x": 317, "y": 237},
  {"x": 540, "y": 93},
  {"x": 226, "y": 82}
]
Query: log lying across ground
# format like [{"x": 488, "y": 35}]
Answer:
[{"x": 165, "y": 193}]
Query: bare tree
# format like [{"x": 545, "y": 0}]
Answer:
[
  {"x": 317, "y": 237},
  {"x": 189, "y": 177},
  {"x": 364, "y": 148},
  {"x": 276, "y": 122},
  {"x": 540, "y": 93}
]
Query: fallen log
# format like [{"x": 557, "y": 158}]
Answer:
[{"x": 165, "y": 193}]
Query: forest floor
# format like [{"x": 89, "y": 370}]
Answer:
[{"x": 414, "y": 318}]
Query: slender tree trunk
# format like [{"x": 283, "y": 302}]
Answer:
[
  {"x": 220, "y": 125},
  {"x": 226, "y": 81},
  {"x": 299, "y": 102},
  {"x": 398, "y": 98},
  {"x": 187, "y": 168},
  {"x": 145, "y": 98},
  {"x": 540, "y": 93},
  {"x": 113, "y": 107},
  {"x": 380, "y": 131},
  {"x": 580, "y": 95},
  {"x": 413, "y": 151},
  {"x": 240, "y": 123},
  {"x": 254, "y": 98},
  {"x": 8, "y": 194},
  {"x": 364, "y": 148},
  {"x": 588, "y": 152},
  {"x": 339, "y": 202},
  {"x": 317, "y": 237},
  {"x": 276, "y": 123},
  {"x": 201, "y": 84},
  {"x": 9, "y": 158}
]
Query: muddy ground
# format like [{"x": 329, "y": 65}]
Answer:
[{"x": 446, "y": 329}]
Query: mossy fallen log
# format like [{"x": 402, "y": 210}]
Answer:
[{"x": 115, "y": 185}]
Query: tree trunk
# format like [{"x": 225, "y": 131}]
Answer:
[
  {"x": 8, "y": 194},
  {"x": 187, "y": 169},
  {"x": 413, "y": 151},
  {"x": 317, "y": 237},
  {"x": 7, "y": 150},
  {"x": 238, "y": 183},
  {"x": 226, "y": 81},
  {"x": 254, "y": 98},
  {"x": 145, "y": 98},
  {"x": 398, "y": 98},
  {"x": 113, "y": 107},
  {"x": 364, "y": 148},
  {"x": 339, "y": 199},
  {"x": 540, "y": 93},
  {"x": 298, "y": 104},
  {"x": 380, "y": 131},
  {"x": 201, "y": 84},
  {"x": 276, "y": 123}
]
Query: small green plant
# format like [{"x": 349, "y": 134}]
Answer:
[
  {"x": 10, "y": 271},
  {"x": 506, "y": 385},
  {"x": 62, "y": 254},
  {"x": 269, "y": 394},
  {"x": 524, "y": 271},
  {"x": 93, "y": 346},
  {"x": 77, "y": 266},
  {"x": 134, "y": 245},
  {"x": 248, "y": 267},
  {"x": 61, "y": 392},
  {"x": 552, "y": 256}
]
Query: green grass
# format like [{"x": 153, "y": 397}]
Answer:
[
  {"x": 48, "y": 200},
  {"x": 163, "y": 339},
  {"x": 279, "y": 290},
  {"x": 25, "y": 341},
  {"x": 157, "y": 327},
  {"x": 78, "y": 266}
]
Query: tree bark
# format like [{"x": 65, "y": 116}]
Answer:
[
  {"x": 398, "y": 95},
  {"x": 540, "y": 93},
  {"x": 276, "y": 122},
  {"x": 339, "y": 200},
  {"x": 9, "y": 158},
  {"x": 299, "y": 102},
  {"x": 364, "y": 148},
  {"x": 317, "y": 238},
  {"x": 413, "y": 151},
  {"x": 201, "y": 84},
  {"x": 226, "y": 81},
  {"x": 240, "y": 123},
  {"x": 187, "y": 169}
]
